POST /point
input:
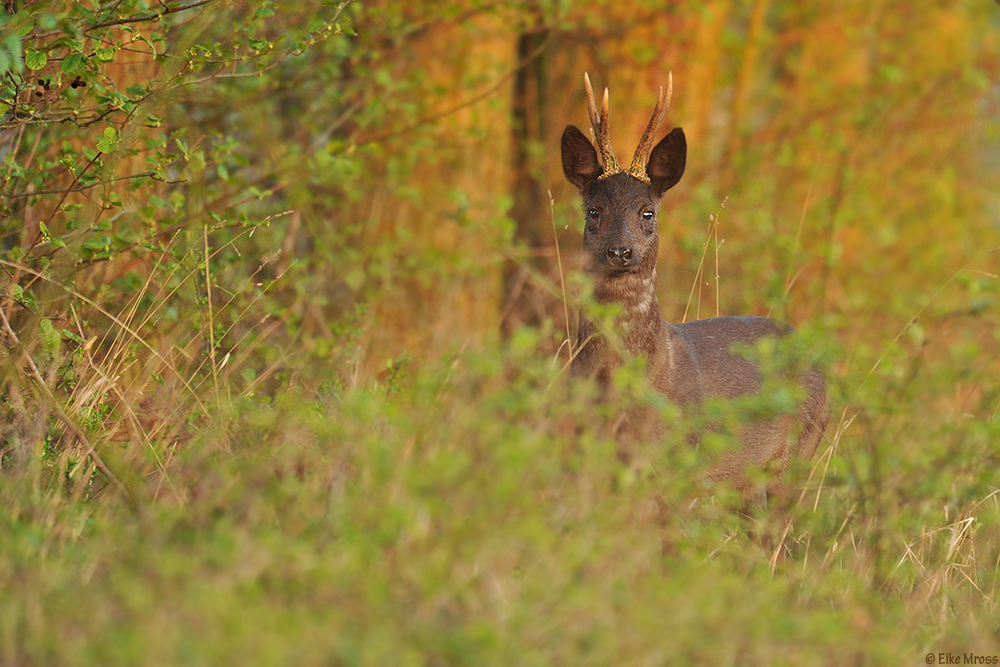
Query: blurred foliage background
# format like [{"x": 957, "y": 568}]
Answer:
[{"x": 283, "y": 331}]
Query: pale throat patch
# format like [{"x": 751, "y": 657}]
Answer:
[
  {"x": 645, "y": 298},
  {"x": 648, "y": 293}
]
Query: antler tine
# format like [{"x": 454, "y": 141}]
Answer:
[
  {"x": 645, "y": 147},
  {"x": 599, "y": 123},
  {"x": 604, "y": 108},
  {"x": 595, "y": 120}
]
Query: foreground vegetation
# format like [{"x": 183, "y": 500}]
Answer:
[
  {"x": 257, "y": 408},
  {"x": 465, "y": 519}
]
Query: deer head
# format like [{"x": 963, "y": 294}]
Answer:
[{"x": 621, "y": 236}]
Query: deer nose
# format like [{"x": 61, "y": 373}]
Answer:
[{"x": 619, "y": 256}]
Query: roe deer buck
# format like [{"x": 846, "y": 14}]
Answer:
[{"x": 688, "y": 362}]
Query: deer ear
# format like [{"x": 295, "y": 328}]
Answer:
[
  {"x": 666, "y": 162},
  {"x": 579, "y": 159}
]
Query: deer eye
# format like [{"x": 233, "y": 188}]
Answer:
[
  {"x": 647, "y": 215},
  {"x": 593, "y": 214}
]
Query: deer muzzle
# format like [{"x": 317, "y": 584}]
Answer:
[{"x": 620, "y": 258}]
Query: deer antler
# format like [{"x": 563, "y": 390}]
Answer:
[
  {"x": 599, "y": 122},
  {"x": 642, "y": 151}
]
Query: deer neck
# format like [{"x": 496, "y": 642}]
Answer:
[{"x": 638, "y": 323}]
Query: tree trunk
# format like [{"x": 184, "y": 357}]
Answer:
[{"x": 525, "y": 303}]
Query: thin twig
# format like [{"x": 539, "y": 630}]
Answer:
[
  {"x": 562, "y": 281},
  {"x": 211, "y": 320},
  {"x": 82, "y": 188},
  {"x": 134, "y": 19}
]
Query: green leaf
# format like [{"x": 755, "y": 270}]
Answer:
[
  {"x": 35, "y": 60},
  {"x": 109, "y": 142},
  {"x": 70, "y": 335},
  {"x": 74, "y": 63},
  {"x": 97, "y": 243},
  {"x": 10, "y": 54},
  {"x": 196, "y": 159},
  {"x": 48, "y": 335},
  {"x": 355, "y": 278},
  {"x": 139, "y": 37},
  {"x": 22, "y": 297},
  {"x": 259, "y": 44},
  {"x": 106, "y": 54},
  {"x": 13, "y": 43}
]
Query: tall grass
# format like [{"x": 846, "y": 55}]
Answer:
[{"x": 472, "y": 509}]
